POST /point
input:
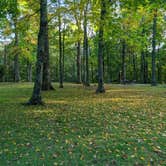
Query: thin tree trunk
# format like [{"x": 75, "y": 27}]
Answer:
[
  {"x": 79, "y": 62},
  {"x": 100, "y": 88},
  {"x": 85, "y": 47},
  {"x": 159, "y": 67},
  {"x": 5, "y": 64},
  {"x": 142, "y": 73},
  {"x": 36, "y": 98},
  {"x": 63, "y": 54},
  {"x": 29, "y": 71},
  {"x": 146, "y": 67},
  {"x": 154, "y": 83},
  {"x": 123, "y": 62},
  {"x": 60, "y": 53},
  {"x": 134, "y": 68},
  {"x": 16, "y": 57},
  {"x": 109, "y": 70}
]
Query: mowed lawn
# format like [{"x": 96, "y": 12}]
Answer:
[{"x": 124, "y": 126}]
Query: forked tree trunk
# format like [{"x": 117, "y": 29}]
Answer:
[
  {"x": 36, "y": 98},
  {"x": 100, "y": 88}
]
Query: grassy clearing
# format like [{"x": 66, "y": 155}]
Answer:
[{"x": 125, "y": 126}]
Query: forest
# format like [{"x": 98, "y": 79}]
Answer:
[{"x": 83, "y": 82}]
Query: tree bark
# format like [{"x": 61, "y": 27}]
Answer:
[
  {"x": 16, "y": 57},
  {"x": 142, "y": 73},
  {"x": 5, "y": 64},
  {"x": 123, "y": 81},
  {"x": 60, "y": 53},
  {"x": 29, "y": 71},
  {"x": 79, "y": 62},
  {"x": 36, "y": 98},
  {"x": 134, "y": 68},
  {"x": 109, "y": 70},
  {"x": 85, "y": 49},
  {"x": 46, "y": 80},
  {"x": 154, "y": 83},
  {"x": 100, "y": 88},
  {"x": 63, "y": 54}
]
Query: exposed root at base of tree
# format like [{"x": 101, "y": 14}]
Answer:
[
  {"x": 100, "y": 90},
  {"x": 34, "y": 101},
  {"x": 48, "y": 88}
]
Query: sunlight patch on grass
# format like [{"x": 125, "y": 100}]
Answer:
[{"x": 124, "y": 126}]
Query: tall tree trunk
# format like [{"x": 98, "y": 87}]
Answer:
[
  {"x": 146, "y": 67},
  {"x": 134, "y": 68},
  {"x": 60, "y": 53},
  {"x": 16, "y": 57},
  {"x": 46, "y": 80},
  {"x": 63, "y": 54},
  {"x": 159, "y": 67},
  {"x": 85, "y": 49},
  {"x": 154, "y": 83},
  {"x": 36, "y": 98},
  {"x": 29, "y": 71},
  {"x": 123, "y": 62},
  {"x": 100, "y": 88},
  {"x": 109, "y": 70},
  {"x": 5, "y": 64},
  {"x": 142, "y": 73},
  {"x": 79, "y": 62}
]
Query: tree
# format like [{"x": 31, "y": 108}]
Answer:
[
  {"x": 100, "y": 88},
  {"x": 46, "y": 81},
  {"x": 154, "y": 49},
  {"x": 85, "y": 48},
  {"x": 60, "y": 49},
  {"x": 15, "y": 15},
  {"x": 36, "y": 98}
]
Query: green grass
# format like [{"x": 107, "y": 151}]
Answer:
[{"x": 124, "y": 126}]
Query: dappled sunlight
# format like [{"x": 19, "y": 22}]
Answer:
[{"x": 56, "y": 101}]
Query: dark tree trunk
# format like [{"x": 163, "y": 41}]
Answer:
[
  {"x": 60, "y": 59},
  {"x": 154, "y": 83},
  {"x": 100, "y": 88},
  {"x": 109, "y": 70},
  {"x": 159, "y": 67},
  {"x": 78, "y": 62},
  {"x": 16, "y": 57},
  {"x": 142, "y": 73},
  {"x": 5, "y": 64},
  {"x": 92, "y": 73},
  {"x": 123, "y": 81},
  {"x": 146, "y": 68},
  {"x": 85, "y": 50},
  {"x": 46, "y": 80},
  {"x": 29, "y": 71},
  {"x": 60, "y": 53},
  {"x": 63, "y": 54},
  {"x": 134, "y": 68},
  {"x": 36, "y": 96}
]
